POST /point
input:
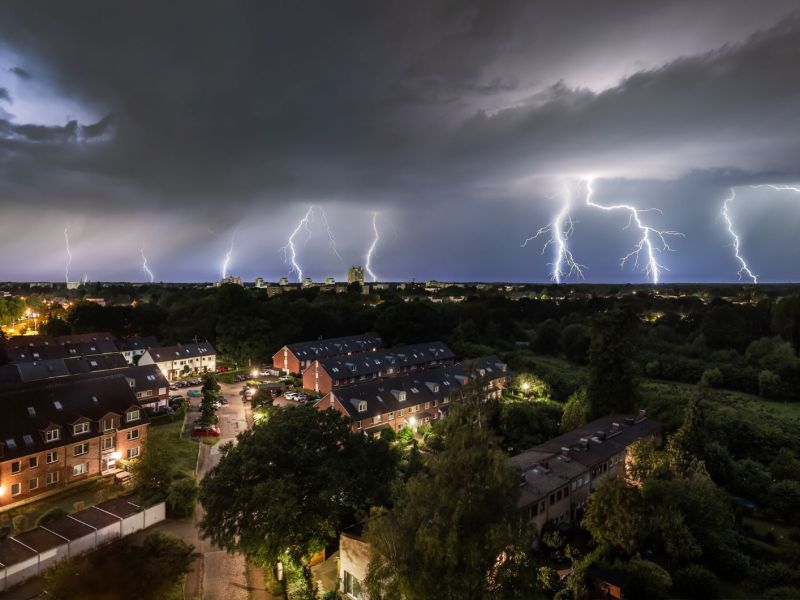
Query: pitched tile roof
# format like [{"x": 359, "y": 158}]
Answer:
[
  {"x": 335, "y": 346},
  {"x": 181, "y": 351},
  {"x": 372, "y": 362}
]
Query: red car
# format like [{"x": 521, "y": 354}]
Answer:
[{"x": 199, "y": 431}]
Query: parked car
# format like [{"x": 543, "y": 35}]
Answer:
[
  {"x": 175, "y": 397},
  {"x": 222, "y": 400},
  {"x": 194, "y": 393},
  {"x": 241, "y": 378},
  {"x": 196, "y": 381},
  {"x": 200, "y": 431}
]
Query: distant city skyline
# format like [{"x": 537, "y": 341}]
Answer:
[{"x": 435, "y": 137}]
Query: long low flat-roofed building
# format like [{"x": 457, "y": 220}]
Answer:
[
  {"x": 295, "y": 358},
  {"x": 327, "y": 374},
  {"x": 556, "y": 477}
]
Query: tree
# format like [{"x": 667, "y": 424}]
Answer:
[
  {"x": 453, "y": 533},
  {"x": 150, "y": 571},
  {"x": 576, "y": 411},
  {"x": 299, "y": 477},
  {"x": 689, "y": 442},
  {"x": 769, "y": 384},
  {"x": 525, "y": 424},
  {"x": 712, "y": 378},
  {"x": 695, "y": 582},
  {"x": 210, "y": 390},
  {"x": 612, "y": 386},
  {"x": 786, "y": 320},
  {"x": 574, "y": 342},
  {"x": 546, "y": 338},
  {"x": 181, "y": 496},
  {"x": 614, "y": 515},
  {"x": 645, "y": 579}
]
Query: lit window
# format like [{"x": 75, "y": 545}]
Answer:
[{"x": 80, "y": 469}]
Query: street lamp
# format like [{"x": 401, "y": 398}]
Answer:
[
  {"x": 525, "y": 387},
  {"x": 254, "y": 373}
]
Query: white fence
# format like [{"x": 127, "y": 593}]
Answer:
[{"x": 33, "y": 552}]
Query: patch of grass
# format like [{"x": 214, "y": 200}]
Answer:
[{"x": 186, "y": 448}]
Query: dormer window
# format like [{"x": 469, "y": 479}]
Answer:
[
  {"x": 133, "y": 415},
  {"x": 402, "y": 397},
  {"x": 362, "y": 406},
  {"x": 108, "y": 424},
  {"x": 80, "y": 428},
  {"x": 52, "y": 435}
]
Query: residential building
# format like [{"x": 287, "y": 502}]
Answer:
[
  {"x": 330, "y": 281},
  {"x": 21, "y": 349},
  {"x": 260, "y": 282},
  {"x": 133, "y": 348},
  {"x": 354, "y": 557},
  {"x": 183, "y": 359},
  {"x": 493, "y": 372},
  {"x": 296, "y": 358},
  {"x": 411, "y": 399},
  {"x": 557, "y": 477},
  {"x": 355, "y": 274},
  {"x": 55, "y": 434},
  {"x": 326, "y": 374}
]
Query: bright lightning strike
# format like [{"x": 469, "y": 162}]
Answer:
[
  {"x": 560, "y": 229},
  {"x": 780, "y": 188},
  {"x": 330, "y": 235},
  {"x": 744, "y": 267},
  {"x": 69, "y": 255},
  {"x": 290, "y": 251},
  {"x": 145, "y": 267},
  {"x": 371, "y": 250},
  {"x": 652, "y": 241},
  {"x": 227, "y": 262}
]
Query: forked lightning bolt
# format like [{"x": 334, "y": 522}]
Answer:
[
  {"x": 69, "y": 254},
  {"x": 227, "y": 262},
  {"x": 330, "y": 235},
  {"x": 145, "y": 267},
  {"x": 560, "y": 230},
  {"x": 371, "y": 250},
  {"x": 743, "y": 266},
  {"x": 651, "y": 242},
  {"x": 290, "y": 251}
]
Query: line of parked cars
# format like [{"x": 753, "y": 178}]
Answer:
[
  {"x": 185, "y": 383},
  {"x": 296, "y": 396}
]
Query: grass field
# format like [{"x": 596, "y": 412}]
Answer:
[{"x": 186, "y": 448}]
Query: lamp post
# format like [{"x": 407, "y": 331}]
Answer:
[{"x": 525, "y": 387}]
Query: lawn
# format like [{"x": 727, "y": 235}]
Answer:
[{"x": 186, "y": 448}]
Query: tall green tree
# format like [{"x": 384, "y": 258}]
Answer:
[
  {"x": 454, "y": 533},
  {"x": 298, "y": 478},
  {"x": 612, "y": 382}
]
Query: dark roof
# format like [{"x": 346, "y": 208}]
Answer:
[
  {"x": 335, "y": 346},
  {"x": 98, "y": 362},
  {"x": 181, "y": 351},
  {"x": 138, "y": 343},
  {"x": 121, "y": 507},
  {"x": 548, "y": 466},
  {"x": 42, "y": 369},
  {"x": 40, "y": 539},
  {"x": 95, "y": 518},
  {"x": 69, "y": 528},
  {"x": 371, "y": 362},
  {"x": 27, "y": 411},
  {"x": 490, "y": 367},
  {"x": 145, "y": 377},
  {"x": 12, "y": 552},
  {"x": 384, "y": 395},
  {"x": 18, "y": 341}
]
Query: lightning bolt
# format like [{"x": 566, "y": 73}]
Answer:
[
  {"x": 560, "y": 229},
  {"x": 290, "y": 251},
  {"x": 652, "y": 241},
  {"x": 780, "y": 188},
  {"x": 371, "y": 250},
  {"x": 148, "y": 273},
  {"x": 227, "y": 262},
  {"x": 330, "y": 235},
  {"x": 744, "y": 268},
  {"x": 69, "y": 254}
]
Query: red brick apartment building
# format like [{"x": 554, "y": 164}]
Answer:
[
  {"x": 410, "y": 399},
  {"x": 56, "y": 433},
  {"x": 327, "y": 374},
  {"x": 296, "y": 358},
  {"x": 493, "y": 372},
  {"x": 557, "y": 477}
]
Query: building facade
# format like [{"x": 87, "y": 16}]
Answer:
[
  {"x": 53, "y": 435},
  {"x": 355, "y": 274},
  {"x": 183, "y": 359},
  {"x": 296, "y": 358},
  {"x": 326, "y": 374}
]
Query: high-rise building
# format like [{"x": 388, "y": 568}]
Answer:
[
  {"x": 283, "y": 281},
  {"x": 329, "y": 281},
  {"x": 355, "y": 274},
  {"x": 259, "y": 282}
]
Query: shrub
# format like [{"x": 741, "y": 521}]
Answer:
[
  {"x": 181, "y": 496},
  {"x": 696, "y": 582},
  {"x": 712, "y": 378},
  {"x": 769, "y": 384}
]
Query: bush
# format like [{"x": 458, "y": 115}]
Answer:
[
  {"x": 181, "y": 496},
  {"x": 696, "y": 583},
  {"x": 769, "y": 384},
  {"x": 574, "y": 343},
  {"x": 712, "y": 378}
]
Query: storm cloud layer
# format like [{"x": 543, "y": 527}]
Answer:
[{"x": 170, "y": 125}]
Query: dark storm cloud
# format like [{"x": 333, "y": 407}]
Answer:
[
  {"x": 20, "y": 72},
  {"x": 4, "y": 95},
  {"x": 266, "y": 106}
]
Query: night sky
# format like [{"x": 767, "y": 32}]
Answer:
[{"x": 179, "y": 127}]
